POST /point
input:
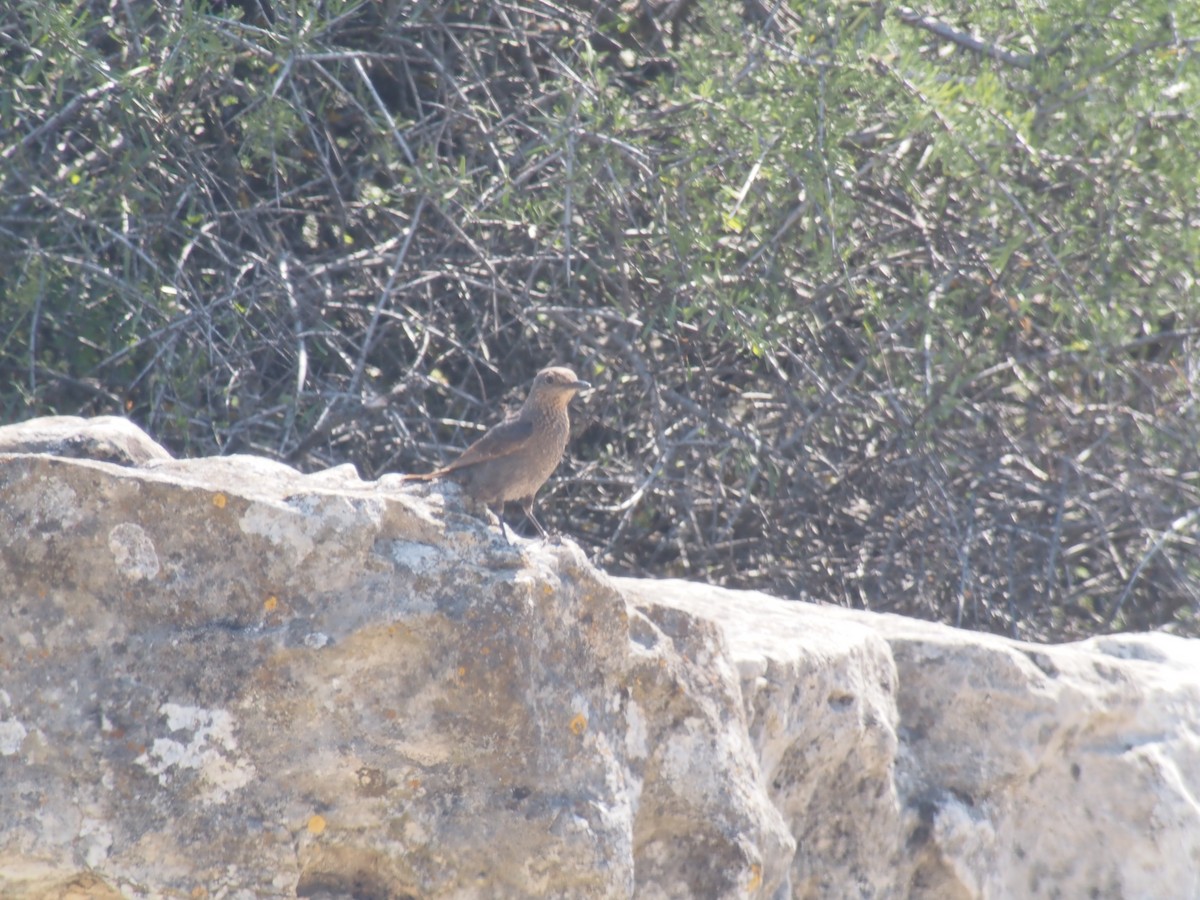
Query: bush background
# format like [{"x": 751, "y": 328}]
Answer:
[{"x": 893, "y": 308}]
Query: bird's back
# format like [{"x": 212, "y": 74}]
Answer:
[{"x": 498, "y": 473}]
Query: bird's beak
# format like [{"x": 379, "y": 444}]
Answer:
[{"x": 582, "y": 385}]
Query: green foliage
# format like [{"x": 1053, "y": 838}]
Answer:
[{"x": 892, "y": 310}]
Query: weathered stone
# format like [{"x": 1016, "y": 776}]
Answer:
[
  {"x": 219, "y": 677},
  {"x": 916, "y": 760},
  {"x": 107, "y": 438}
]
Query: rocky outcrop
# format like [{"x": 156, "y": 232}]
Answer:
[
  {"x": 916, "y": 760},
  {"x": 222, "y": 678},
  {"x": 106, "y": 438}
]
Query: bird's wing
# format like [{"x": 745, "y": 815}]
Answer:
[{"x": 504, "y": 439}]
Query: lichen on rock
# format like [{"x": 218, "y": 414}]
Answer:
[{"x": 318, "y": 686}]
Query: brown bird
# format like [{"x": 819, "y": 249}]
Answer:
[{"x": 513, "y": 459}]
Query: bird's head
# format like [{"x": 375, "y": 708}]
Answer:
[{"x": 557, "y": 382}]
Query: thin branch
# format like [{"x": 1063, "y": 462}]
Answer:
[
  {"x": 967, "y": 41},
  {"x": 68, "y": 112},
  {"x": 1176, "y": 528}
]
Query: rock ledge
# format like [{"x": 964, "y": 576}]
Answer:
[{"x": 224, "y": 678}]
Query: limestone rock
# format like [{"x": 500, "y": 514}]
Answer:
[
  {"x": 222, "y": 678},
  {"x": 108, "y": 438},
  {"x": 916, "y": 760}
]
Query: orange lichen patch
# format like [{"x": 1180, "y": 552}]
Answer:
[
  {"x": 271, "y": 603},
  {"x": 219, "y": 500},
  {"x": 316, "y": 824},
  {"x": 578, "y": 724},
  {"x": 755, "y": 878},
  {"x": 83, "y": 886},
  {"x": 198, "y": 892}
]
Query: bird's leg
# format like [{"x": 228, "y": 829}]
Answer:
[
  {"x": 527, "y": 506},
  {"x": 498, "y": 512}
]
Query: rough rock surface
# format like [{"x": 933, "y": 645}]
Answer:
[
  {"x": 916, "y": 760},
  {"x": 221, "y": 678},
  {"x": 106, "y": 438}
]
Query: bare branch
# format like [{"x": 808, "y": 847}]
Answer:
[{"x": 967, "y": 41}]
